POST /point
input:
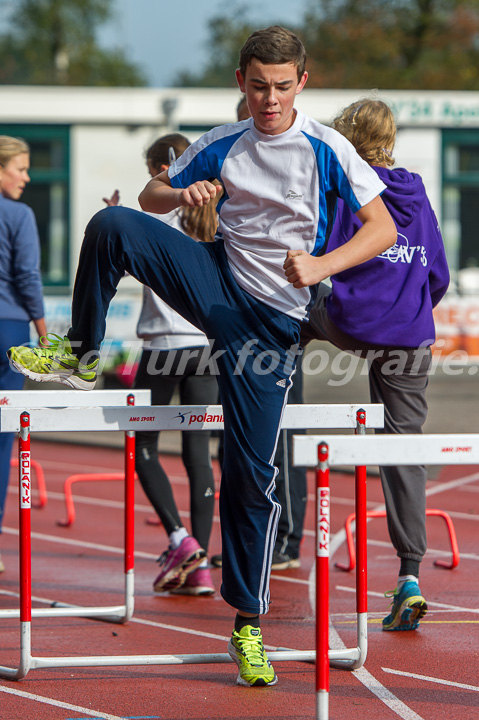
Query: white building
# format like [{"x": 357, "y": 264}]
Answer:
[{"x": 86, "y": 142}]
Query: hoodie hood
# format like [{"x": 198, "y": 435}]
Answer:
[
  {"x": 404, "y": 196},
  {"x": 388, "y": 300}
]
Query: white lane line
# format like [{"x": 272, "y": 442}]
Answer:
[
  {"x": 439, "y": 681},
  {"x": 85, "y": 500},
  {"x": 372, "y": 684},
  {"x": 120, "y": 551},
  {"x": 85, "y": 468},
  {"x": 295, "y": 581},
  {"x": 150, "y": 623},
  {"x": 59, "y": 703},
  {"x": 99, "y": 502},
  {"x": 188, "y": 631},
  {"x": 443, "y": 487},
  {"x": 442, "y": 606},
  {"x": 369, "y": 681},
  {"x": 81, "y": 543},
  {"x": 462, "y": 516},
  {"x": 429, "y": 551},
  {"x": 386, "y": 696}
]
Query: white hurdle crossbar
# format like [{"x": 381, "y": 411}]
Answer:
[
  {"x": 28, "y": 399},
  {"x": 129, "y": 419},
  {"x": 339, "y": 450}
]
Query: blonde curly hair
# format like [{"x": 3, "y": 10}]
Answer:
[{"x": 370, "y": 126}]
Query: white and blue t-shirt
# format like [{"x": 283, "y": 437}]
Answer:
[{"x": 280, "y": 194}]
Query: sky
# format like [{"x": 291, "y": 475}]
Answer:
[{"x": 165, "y": 37}]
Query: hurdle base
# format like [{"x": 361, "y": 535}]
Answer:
[
  {"x": 29, "y": 662},
  {"x": 353, "y": 658},
  {"x": 114, "y": 614}
]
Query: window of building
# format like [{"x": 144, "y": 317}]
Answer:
[
  {"x": 48, "y": 195},
  {"x": 460, "y": 162}
]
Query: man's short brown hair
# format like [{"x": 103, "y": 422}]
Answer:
[{"x": 274, "y": 45}]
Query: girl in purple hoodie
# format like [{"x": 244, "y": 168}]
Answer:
[{"x": 381, "y": 310}]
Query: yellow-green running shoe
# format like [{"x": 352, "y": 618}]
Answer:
[
  {"x": 54, "y": 362},
  {"x": 246, "y": 649}
]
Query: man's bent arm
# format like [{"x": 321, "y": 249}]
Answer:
[
  {"x": 160, "y": 197},
  {"x": 377, "y": 233}
]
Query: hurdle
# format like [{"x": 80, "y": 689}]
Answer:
[
  {"x": 63, "y": 399},
  {"x": 23, "y": 399},
  {"x": 430, "y": 512},
  {"x": 338, "y": 450},
  {"x": 129, "y": 419}
]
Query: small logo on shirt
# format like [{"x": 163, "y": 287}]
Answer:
[
  {"x": 293, "y": 196},
  {"x": 281, "y": 383}
]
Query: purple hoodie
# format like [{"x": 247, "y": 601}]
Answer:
[{"x": 389, "y": 299}]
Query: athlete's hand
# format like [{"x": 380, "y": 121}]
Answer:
[
  {"x": 114, "y": 200},
  {"x": 302, "y": 269},
  {"x": 199, "y": 194}
]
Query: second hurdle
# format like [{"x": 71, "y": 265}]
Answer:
[{"x": 340, "y": 450}]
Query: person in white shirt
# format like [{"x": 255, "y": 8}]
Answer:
[{"x": 248, "y": 292}]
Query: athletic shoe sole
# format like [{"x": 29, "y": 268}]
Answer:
[
  {"x": 239, "y": 680},
  {"x": 410, "y": 613},
  {"x": 176, "y": 577},
  {"x": 199, "y": 590},
  {"x": 291, "y": 564},
  {"x": 73, "y": 381}
]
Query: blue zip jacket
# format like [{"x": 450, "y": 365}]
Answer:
[
  {"x": 389, "y": 299},
  {"x": 21, "y": 294}
]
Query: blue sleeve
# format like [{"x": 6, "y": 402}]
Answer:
[
  {"x": 201, "y": 167},
  {"x": 203, "y": 160},
  {"x": 26, "y": 265}
]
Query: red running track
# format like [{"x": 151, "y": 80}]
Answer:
[{"x": 430, "y": 674}]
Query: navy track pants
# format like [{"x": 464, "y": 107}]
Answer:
[{"x": 254, "y": 348}]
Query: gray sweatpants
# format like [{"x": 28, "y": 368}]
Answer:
[{"x": 398, "y": 378}]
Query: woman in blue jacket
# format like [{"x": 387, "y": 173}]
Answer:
[
  {"x": 21, "y": 295},
  {"x": 382, "y": 311}
]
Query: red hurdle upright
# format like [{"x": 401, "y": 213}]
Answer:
[
  {"x": 322, "y": 582},
  {"x": 129, "y": 518},
  {"x": 362, "y": 547},
  {"x": 354, "y": 657},
  {"x": 25, "y": 555}
]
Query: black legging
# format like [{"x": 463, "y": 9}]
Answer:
[{"x": 194, "y": 389}]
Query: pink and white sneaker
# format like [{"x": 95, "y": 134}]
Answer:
[
  {"x": 198, "y": 582},
  {"x": 178, "y": 563}
]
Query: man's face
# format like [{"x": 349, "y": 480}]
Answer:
[{"x": 271, "y": 91}]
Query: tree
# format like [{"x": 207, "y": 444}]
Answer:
[
  {"x": 52, "y": 42},
  {"x": 427, "y": 44},
  {"x": 389, "y": 44}
]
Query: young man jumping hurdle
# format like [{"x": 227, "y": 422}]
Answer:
[{"x": 248, "y": 291}]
